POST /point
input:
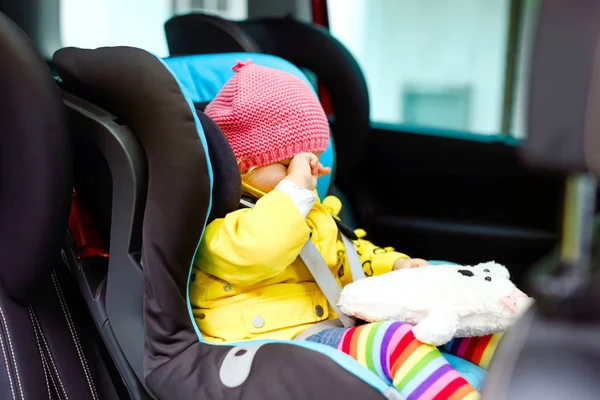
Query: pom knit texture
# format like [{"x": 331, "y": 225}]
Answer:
[{"x": 268, "y": 116}]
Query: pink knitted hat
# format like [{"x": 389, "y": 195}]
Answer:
[{"x": 268, "y": 115}]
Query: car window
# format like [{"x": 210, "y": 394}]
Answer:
[
  {"x": 138, "y": 23},
  {"x": 455, "y": 64}
]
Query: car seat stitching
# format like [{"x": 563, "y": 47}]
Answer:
[
  {"x": 12, "y": 353},
  {"x": 52, "y": 379},
  {"x": 80, "y": 353},
  {"x": 42, "y": 356},
  {"x": 8, "y": 371},
  {"x": 57, "y": 373}
]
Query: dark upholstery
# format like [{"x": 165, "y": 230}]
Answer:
[
  {"x": 45, "y": 345},
  {"x": 562, "y": 124},
  {"x": 227, "y": 186},
  {"x": 224, "y": 36},
  {"x": 178, "y": 186},
  {"x": 35, "y": 166}
]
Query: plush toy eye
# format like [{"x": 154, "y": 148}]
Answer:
[
  {"x": 486, "y": 270},
  {"x": 488, "y": 278}
]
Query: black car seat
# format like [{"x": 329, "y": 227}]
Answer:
[
  {"x": 311, "y": 48},
  {"x": 166, "y": 160},
  {"x": 225, "y": 36},
  {"x": 45, "y": 345}
]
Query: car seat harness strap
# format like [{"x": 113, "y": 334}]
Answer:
[{"x": 320, "y": 271}]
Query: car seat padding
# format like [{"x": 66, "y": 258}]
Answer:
[
  {"x": 225, "y": 36},
  {"x": 178, "y": 178},
  {"x": 227, "y": 185},
  {"x": 35, "y": 166}
]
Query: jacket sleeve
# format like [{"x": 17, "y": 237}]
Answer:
[
  {"x": 251, "y": 245},
  {"x": 375, "y": 260}
]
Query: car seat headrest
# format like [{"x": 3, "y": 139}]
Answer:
[
  {"x": 202, "y": 76},
  {"x": 225, "y": 36},
  {"x": 306, "y": 46},
  {"x": 35, "y": 166},
  {"x": 137, "y": 87}
]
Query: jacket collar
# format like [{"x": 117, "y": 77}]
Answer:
[{"x": 257, "y": 194}]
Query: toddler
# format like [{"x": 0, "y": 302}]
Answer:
[{"x": 248, "y": 281}]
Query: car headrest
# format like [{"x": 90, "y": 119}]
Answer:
[
  {"x": 35, "y": 166},
  {"x": 202, "y": 76},
  {"x": 225, "y": 36},
  {"x": 564, "y": 94}
]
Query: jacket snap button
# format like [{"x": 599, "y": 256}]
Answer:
[
  {"x": 258, "y": 321},
  {"x": 227, "y": 287},
  {"x": 319, "y": 311}
]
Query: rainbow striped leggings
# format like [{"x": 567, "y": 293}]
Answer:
[{"x": 417, "y": 370}]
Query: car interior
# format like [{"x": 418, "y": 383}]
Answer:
[{"x": 110, "y": 172}]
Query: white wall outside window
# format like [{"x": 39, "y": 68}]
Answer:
[{"x": 138, "y": 23}]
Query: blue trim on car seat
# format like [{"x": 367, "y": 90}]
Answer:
[
  {"x": 202, "y": 76},
  {"x": 439, "y": 262},
  {"x": 324, "y": 182},
  {"x": 343, "y": 360},
  {"x": 210, "y": 180}
]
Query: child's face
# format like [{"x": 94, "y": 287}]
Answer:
[{"x": 266, "y": 178}]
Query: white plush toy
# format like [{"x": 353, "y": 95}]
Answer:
[{"x": 441, "y": 301}]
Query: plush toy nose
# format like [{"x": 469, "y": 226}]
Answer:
[{"x": 511, "y": 300}]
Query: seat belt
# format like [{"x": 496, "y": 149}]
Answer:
[
  {"x": 327, "y": 283},
  {"x": 356, "y": 269},
  {"x": 320, "y": 271}
]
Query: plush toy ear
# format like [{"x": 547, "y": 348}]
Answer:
[{"x": 437, "y": 328}]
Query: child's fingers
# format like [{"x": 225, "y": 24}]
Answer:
[
  {"x": 418, "y": 262},
  {"x": 324, "y": 170},
  {"x": 314, "y": 165}
]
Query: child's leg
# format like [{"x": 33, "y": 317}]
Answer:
[
  {"x": 417, "y": 370},
  {"x": 478, "y": 350}
]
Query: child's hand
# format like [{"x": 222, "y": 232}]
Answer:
[
  {"x": 304, "y": 169},
  {"x": 403, "y": 263}
]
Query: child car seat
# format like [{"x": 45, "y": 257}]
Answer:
[
  {"x": 163, "y": 174},
  {"x": 308, "y": 47},
  {"x": 44, "y": 344}
]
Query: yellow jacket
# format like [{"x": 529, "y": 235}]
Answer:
[{"x": 248, "y": 281}]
